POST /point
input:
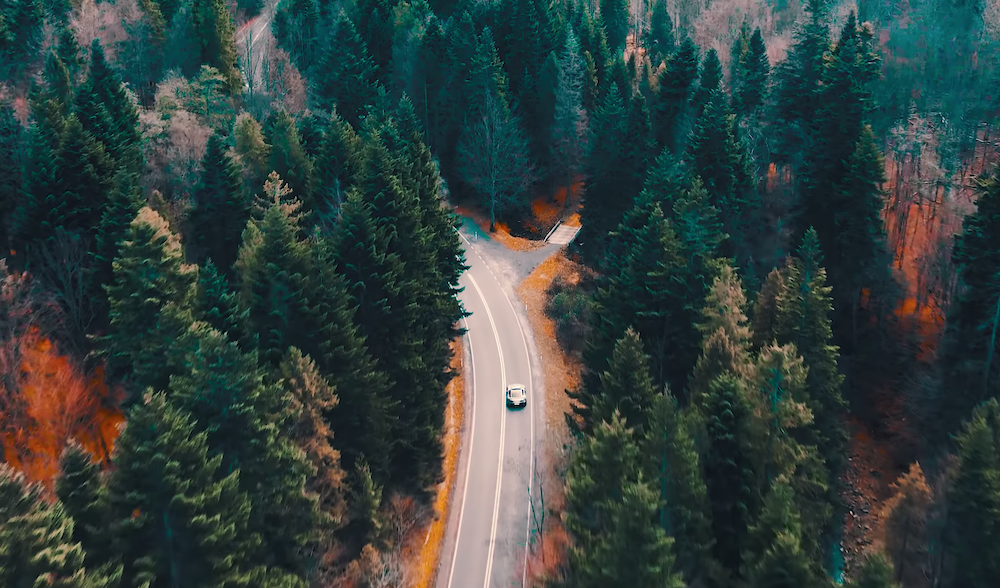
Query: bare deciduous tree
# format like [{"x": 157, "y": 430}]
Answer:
[
  {"x": 62, "y": 267},
  {"x": 493, "y": 158}
]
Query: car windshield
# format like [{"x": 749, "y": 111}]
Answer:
[{"x": 518, "y": 392}]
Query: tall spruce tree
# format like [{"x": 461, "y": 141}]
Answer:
[
  {"x": 124, "y": 201},
  {"x": 974, "y": 499},
  {"x": 289, "y": 159},
  {"x": 178, "y": 517},
  {"x": 750, "y": 85},
  {"x": 106, "y": 111},
  {"x": 245, "y": 419},
  {"x": 728, "y": 474},
  {"x": 150, "y": 303},
  {"x": 12, "y": 158},
  {"x": 221, "y": 206},
  {"x": 615, "y": 17},
  {"x": 569, "y": 129},
  {"x": 347, "y": 74},
  {"x": 387, "y": 317},
  {"x": 80, "y": 488},
  {"x": 219, "y": 307},
  {"x": 625, "y": 388},
  {"x": 660, "y": 38},
  {"x": 216, "y": 34},
  {"x": 672, "y": 464},
  {"x": 604, "y": 204},
  {"x": 670, "y": 105},
  {"x": 36, "y": 540},
  {"x": 610, "y": 514}
]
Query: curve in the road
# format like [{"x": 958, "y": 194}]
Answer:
[{"x": 468, "y": 538}]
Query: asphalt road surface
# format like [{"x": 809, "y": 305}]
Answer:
[
  {"x": 488, "y": 535},
  {"x": 253, "y": 33}
]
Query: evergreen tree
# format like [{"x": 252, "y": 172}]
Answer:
[
  {"x": 709, "y": 79},
  {"x": 150, "y": 301},
  {"x": 81, "y": 491},
  {"x": 12, "y": 158},
  {"x": 179, "y": 519},
  {"x": 58, "y": 84},
  {"x": 625, "y": 388},
  {"x": 750, "y": 82},
  {"x": 610, "y": 513},
  {"x": 765, "y": 309},
  {"x": 725, "y": 335},
  {"x": 660, "y": 37},
  {"x": 108, "y": 113},
  {"x": 68, "y": 50},
  {"x": 728, "y": 475},
  {"x": 273, "y": 264},
  {"x": 220, "y": 307},
  {"x": 720, "y": 161},
  {"x": 347, "y": 74},
  {"x": 289, "y": 160},
  {"x": 221, "y": 206},
  {"x": 971, "y": 322},
  {"x": 40, "y": 179},
  {"x": 569, "y": 129},
  {"x": 639, "y": 149},
  {"x": 673, "y": 464},
  {"x": 245, "y": 419},
  {"x": 361, "y": 419},
  {"x": 614, "y": 17},
  {"x": 213, "y": 25},
  {"x": 803, "y": 319},
  {"x": 388, "y": 319},
  {"x": 676, "y": 81},
  {"x": 974, "y": 500},
  {"x": 84, "y": 173},
  {"x": 773, "y": 555},
  {"x": 604, "y": 204},
  {"x": 36, "y": 540},
  {"x": 338, "y": 163}
]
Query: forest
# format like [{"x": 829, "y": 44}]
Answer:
[{"x": 231, "y": 269}]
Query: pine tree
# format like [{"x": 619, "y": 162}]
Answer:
[
  {"x": 906, "y": 524},
  {"x": 58, "y": 85},
  {"x": 178, "y": 518},
  {"x": 289, "y": 159},
  {"x": 124, "y": 201},
  {"x": 362, "y": 416},
  {"x": 273, "y": 264},
  {"x": 640, "y": 147},
  {"x": 728, "y": 477},
  {"x": 625, "y": 388},
  {"x": 245, "y": 418},
  {"x": 974, "y": 500},
  {"x": 720, "y": 161},
  {"x": 640, "y": 292},
  {"x": 150, "y": 301},
  {"x": 81, "y": 491},
  {"x": 12, "y": 156},
  {"x": 107, "y": 112},
  {"x": 84, "y": 174},
  {"x": 660, "y": 38},
  {"x": 725, "y": 335},
  {"x": 765, "y": 309},
  {"x": 252, "y": 149},
  {"x": 40, "y": 180},
  {"x": 220, "y": 307},
  {"x": 604, "y": 205},
  {"x": 221, "y": 206},
  {"x": 750, "y": 85},
  {"x": 216, "y": 34},
  {"x": 709, "y": 79},
  {"x": 673, "y": 464},
  {"x": 610, "y": 513},
  {"x": 68, "y": 50},
  {"x": 36, "y": 540},
  {"x": 676, "y": 81},
  {"x": 614, "y": 17},
  {"x": 569, "y": 129},
  {"x": 803, "y": 319},
  {"x": 348, "y": 74},
  {"x": 366, "y": 504},
  {"x": 338, "y": 163},
  {"x": 773, "y": 555},
  {"x": 388, "y": 318}
]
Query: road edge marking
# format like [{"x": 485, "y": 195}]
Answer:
[{"x": 472, "y": 441}]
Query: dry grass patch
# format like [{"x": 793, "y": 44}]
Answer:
[
  {"x": 423, "y": 546},
  {"x": 561, "y": 372}
]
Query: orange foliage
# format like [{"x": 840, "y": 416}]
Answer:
[
  {"x": 52, "y": 401},
  {"x": 547, "y": 555}
]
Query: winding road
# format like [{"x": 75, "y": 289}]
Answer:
[{"x": 491, "y": 519}]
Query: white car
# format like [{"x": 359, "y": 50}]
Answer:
[{"x": 517, "y": 395}]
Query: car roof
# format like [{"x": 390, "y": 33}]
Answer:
[{"x": 515, "y": 386}]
